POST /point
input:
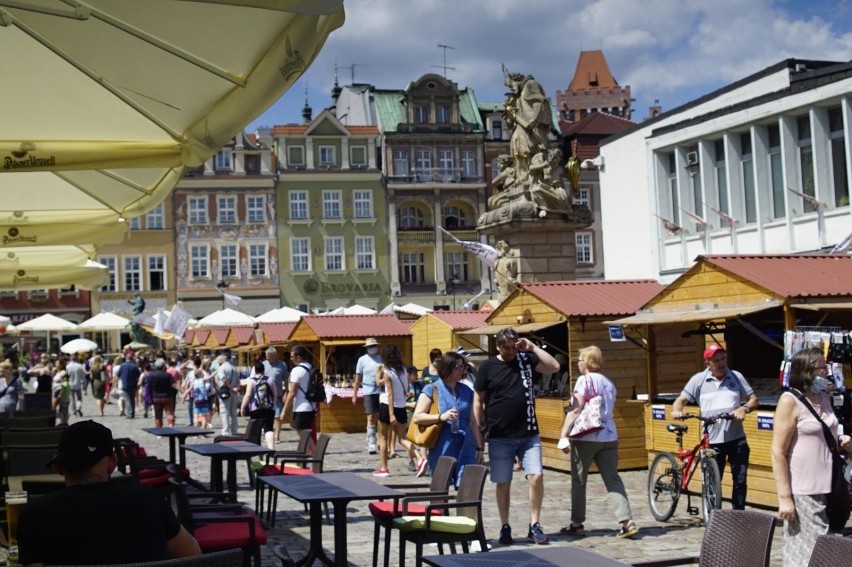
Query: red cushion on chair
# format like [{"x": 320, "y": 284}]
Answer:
[
  {"x": 296, "y": 471},
  {"x": 161, "y": 480},
  {"x": 270, "y": 470},
  {"x": 228, "y": 535},
  {"x": 384, "y": 509}
]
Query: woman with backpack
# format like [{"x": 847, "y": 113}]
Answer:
[
  {"x": 259, "y": 402},
  {"x": 304, "y": 410}
]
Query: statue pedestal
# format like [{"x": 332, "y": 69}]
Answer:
[{"x": 544, "y": 247}]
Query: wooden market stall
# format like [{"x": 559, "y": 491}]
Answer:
[
  {"x": 745, "y": 303},
  {"x": 563, "y": 317},
  {"x": 440, "y": 329},
  {"x": 336, "y": 343}
]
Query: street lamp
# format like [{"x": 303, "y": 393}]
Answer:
[
  {"x": 222, "y": 286},
  {"x": 452, "y": 283}
]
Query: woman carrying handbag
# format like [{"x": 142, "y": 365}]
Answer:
[{"x": 597, "y": 441}]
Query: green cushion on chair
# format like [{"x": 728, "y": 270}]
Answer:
[{"x": 447, "y": 524}]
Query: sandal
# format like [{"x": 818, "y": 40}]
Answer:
[
  {"x": 573, "y": 530},
  {"x": 628, "y": 530}
]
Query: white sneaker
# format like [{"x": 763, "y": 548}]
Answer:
[{"x": 421, "y": 467}]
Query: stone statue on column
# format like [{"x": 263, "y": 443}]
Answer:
[{"x": 506, "y": 270}]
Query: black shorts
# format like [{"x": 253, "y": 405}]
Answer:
[
  {"x": 401, "y": 414},
  {"x": 371, "y": 403},
  {"x": 303, "y": 419},
  {"x": 267, "y": 416}
]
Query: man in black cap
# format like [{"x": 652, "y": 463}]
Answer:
[{"x": 93, "y": 520}]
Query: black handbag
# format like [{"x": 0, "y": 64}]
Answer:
[{"x": 839, "y": 501}]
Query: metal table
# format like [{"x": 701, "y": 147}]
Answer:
[
  {"x": 230, "y": 451},
  {"x": 180, "y": 434},
  {"x": 538, "y": 557}
]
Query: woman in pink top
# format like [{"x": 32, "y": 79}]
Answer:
[{"x": 801, "y": 460}]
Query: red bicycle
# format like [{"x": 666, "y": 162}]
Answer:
[{"x": 669, "y": 476}]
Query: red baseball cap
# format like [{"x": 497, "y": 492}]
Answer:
[{"x": 711, "y": 350}]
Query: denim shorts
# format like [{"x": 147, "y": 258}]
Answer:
[{"x": 502, "y": 453}]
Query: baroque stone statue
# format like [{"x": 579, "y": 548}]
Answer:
[{"x": 506, "y": 270}]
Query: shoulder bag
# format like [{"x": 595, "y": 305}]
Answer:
[
  {"x": 590, "y": 419},
  {"x": 839, "y": 502},
  {"x": 426, "y": 435}
]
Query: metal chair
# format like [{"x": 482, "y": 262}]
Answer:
[
  {"x": 315, "y": 460},
  {"x": 465, "y": 526},
  {"x": 734, "y": 538},
  {"x": 384, "y": 511},
  {"x": 228, "y": 558},
  {"x": 34, "y": 436},
  {"x": 830, "y": 551},
  {"x": 254, "y": 430},
  {"x": 304, "y": 448}
]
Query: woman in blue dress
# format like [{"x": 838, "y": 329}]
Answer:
[{"x": 460, "y": 435}]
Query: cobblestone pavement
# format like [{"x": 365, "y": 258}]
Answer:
[{"x": 347, "y": 452}]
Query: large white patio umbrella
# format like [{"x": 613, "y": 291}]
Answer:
[
  {"x": 89, "y": 275},
  {"x": 47, "y": 322},
  {"x": 282, "y": 315},
  {"x": 226, "y": 318},
  {"x": 76, "y": 346},
  {"x": 128, "y": 93},
  {"x": 104, "y": 321}
]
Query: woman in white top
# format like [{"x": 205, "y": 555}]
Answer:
[
  {"x": 393, "y": 381},
  {"x": 600, "y": 446}
]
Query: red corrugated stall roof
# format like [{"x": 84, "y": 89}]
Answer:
[
  {"x": 220, "y": 335},
  {"x": 201, "y": 336},
  {"x": 595, "y": 297},
  {"x": 243, "y": 334},
  {"x": 791, "y": 275},
  {"x": 277, "y": 332},
  {"x": 461, "y": 319},
  {"x": 339, "y": 326}
]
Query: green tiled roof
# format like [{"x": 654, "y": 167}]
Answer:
[{"x": 390, "y": 110}]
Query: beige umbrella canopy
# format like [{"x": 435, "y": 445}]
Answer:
[
  {"x": 47, "y": 322},
  {"x": 89, "y": 275},
  {"x": 226, "y": 318},
  {"x": 129, "y": 93},
  {"x": 104, "y": 322}
]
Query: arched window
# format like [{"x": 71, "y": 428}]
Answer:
[
  {"x": 411, "y": 217},
  {"x": 454, "y": 217}
]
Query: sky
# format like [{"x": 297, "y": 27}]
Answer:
[{"x": 668, "y": 50}]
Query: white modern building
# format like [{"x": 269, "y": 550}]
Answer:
[{"x": 761, "y": 166}]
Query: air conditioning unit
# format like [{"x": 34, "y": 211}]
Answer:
[{"x": 691, "y": 158}]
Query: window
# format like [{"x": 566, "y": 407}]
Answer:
[
  {"x": 155, "y": 219},
  {"x": 132, "y": 273},
  {"x": 135, "y": 224},
  {"x": 497, "y": 129},
  {"x": 331, "y": 205},
  {"x": 327, "y": 156},
  {"x": 421, "y": 114},
  {"x": 109, "y": 262},
  {"x": 223, "y": 160},
  {"x": 583, "y": 244},
  {"x": 776, "y": 171},
  {"x": 457, "y": 267},
  {"x": 298, "y": 205},
  {"x": 443, "y": 114},
  {"x": 358, "y": 155},
  {"x": 156, "y": 272},
  {"x": 256, "y": 209},
  {"x": 400, "y": 162},
  {"x": 295, "y": 155},
  {"x": 747, "y": 172},
  {"x": 257, "y": 260},
  {"x": 695, "y": 181},
  {"x": 581, "y": 197},
  {"x": 229, "y": 258},
  {"x": 423, "y": 160},
  {"x": 495, "y": 168},
  {"x": 445, "y": 162},
  {"x": 839, "y": 163},
  {"x": 365, "y": 257},
  {"x": 334, "y": 254},
  {"x": 199, "y": 257},
  {"x": 363, "y": 202},
  {"x": 806, "y": 161},
  {"x": 411, "y": 217},
  {"x": 413, "y": 267},
  {"x": 454, "y": 217},
  {"x": 197, "y": 210},
  {"x": 227, "y": 209},
  {"x": 468, "y": 163},
  {"x": 300, "y": 254},
  {"x": 721, "y": 176},
  {"x": 674, "y": 195}
]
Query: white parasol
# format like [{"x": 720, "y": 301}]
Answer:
[
  {"x": 47, "y": 322},
  {"x": 79, "y": 345},
  {"x": 104, "y": 322},
  {"x": 226, "y": 318}
]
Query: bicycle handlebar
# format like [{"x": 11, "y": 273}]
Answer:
[{"x": 707, "y": 420}]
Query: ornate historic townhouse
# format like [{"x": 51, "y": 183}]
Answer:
[
  {"x": 760, "y": 166},
  {"x": 333, "y": 248},
  {"x": 432, "y": 157},
  {"x": 225, "y": 239}
]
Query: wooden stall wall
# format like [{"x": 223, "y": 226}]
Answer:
[
  {"x": 677, "y": 357},
  {"x": 428, "y": 333}
]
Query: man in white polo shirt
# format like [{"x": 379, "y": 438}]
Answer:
[{"x": 718, "y": 389}]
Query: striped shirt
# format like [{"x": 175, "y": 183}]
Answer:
[{"x": 719, "y": 396}]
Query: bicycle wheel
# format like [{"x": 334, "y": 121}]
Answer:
[
  {"x": 663, "y": 486},
  {"x": 711, "y": 490}
]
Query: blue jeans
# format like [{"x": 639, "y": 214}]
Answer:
[
  {"x": 735, "y": 452},
  {"x": 502, "y": 453}
]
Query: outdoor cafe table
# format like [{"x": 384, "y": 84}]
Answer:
[
  {"x": 541, "y": 557},
  {"x": 230, "y": 451},
  {"x": 180, "y": 434},
  {"x": 338, "y": 488}
]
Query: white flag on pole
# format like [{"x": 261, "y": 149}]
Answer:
[
  {"x": 160, "y": 326},
  {"x": 177, "y": 321},
  {"x": 231, "y": 299},
  {"x": 488, "y": 255}
]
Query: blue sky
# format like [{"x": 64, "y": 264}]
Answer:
[{"x": 670, "y": 50}]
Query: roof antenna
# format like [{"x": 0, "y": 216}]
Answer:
[{"x": 444, "y": 66}]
